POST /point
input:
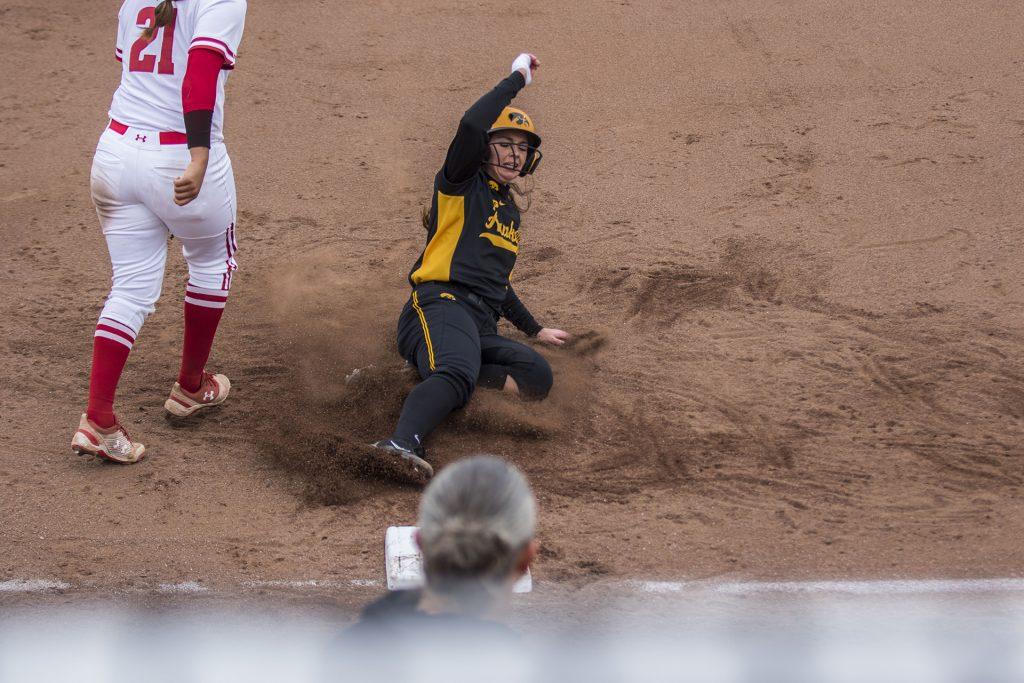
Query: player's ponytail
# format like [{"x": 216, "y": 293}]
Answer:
[
  {"x": 163, "y": 14},
  {"x": 520, "y": 193}
]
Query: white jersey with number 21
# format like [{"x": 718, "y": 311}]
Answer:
[{"x": 149, "y": 96}]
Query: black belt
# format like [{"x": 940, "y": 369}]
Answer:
[
  {"x": 468, "y": 295},
  {"x": 479, "y": 302}
]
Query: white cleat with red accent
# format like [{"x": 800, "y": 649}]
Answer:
[
  {"x": 112, "y": 444},
  {"x": 212, "y": 391}
]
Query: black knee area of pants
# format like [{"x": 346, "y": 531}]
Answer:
[
  {"x": 460, "y": 380},
  {"x": 533, "y": 376},
  {"x": 492, "y": 376}
]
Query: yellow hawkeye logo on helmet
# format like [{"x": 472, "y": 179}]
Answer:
[{"x": 513, "y": 118}]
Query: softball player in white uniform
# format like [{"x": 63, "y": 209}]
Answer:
[{"x": 161, "y": 168}]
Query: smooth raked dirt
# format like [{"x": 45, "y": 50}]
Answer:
[{"x": 787, "y": 235}]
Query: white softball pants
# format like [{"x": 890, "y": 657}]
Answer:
[{"x": 132, "y": 188}]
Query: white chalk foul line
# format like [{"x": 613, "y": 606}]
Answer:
[
  {"x": 313, "y": 583},
  {"x": 868, "y": 587},
  {"x": 183, "y": 587},
  {"x": 877, "y": 587},
  {"x": 32, "y": 586}
]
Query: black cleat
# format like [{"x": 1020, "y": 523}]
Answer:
[{"x": 398, "y": 460}]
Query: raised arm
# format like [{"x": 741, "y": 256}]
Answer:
[{"x": 467, "y": 149}]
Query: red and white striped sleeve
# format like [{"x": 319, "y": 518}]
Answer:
[
  {"x": 219, "y": 26},
  {"x": 119, "y": 42}
]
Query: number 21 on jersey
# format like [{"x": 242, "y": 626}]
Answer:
[{"x": 148, "y": 63}]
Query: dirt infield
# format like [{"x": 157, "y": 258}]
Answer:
[{"x": 787, "y": 233}]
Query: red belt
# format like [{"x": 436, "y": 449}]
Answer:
[{"x": 166, "y": 138}]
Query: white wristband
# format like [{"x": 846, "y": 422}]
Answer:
[{"x": 524, "y": 61}]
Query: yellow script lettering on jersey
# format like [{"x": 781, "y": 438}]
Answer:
[{"x": 507, "y": 236}]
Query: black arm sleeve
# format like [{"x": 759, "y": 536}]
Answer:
[
  {"x": 515, "y": 311},
  {"x": 198, "y": 125},
  {"x": 467, "y": 149}
]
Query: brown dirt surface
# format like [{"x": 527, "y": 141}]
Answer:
[{"x": 786, "y": 233}]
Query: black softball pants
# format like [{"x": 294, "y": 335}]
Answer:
[{"x": 455, "y": 346}]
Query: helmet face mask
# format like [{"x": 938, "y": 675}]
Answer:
[{"x": 523, "y": 156}]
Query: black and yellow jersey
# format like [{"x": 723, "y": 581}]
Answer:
[
  {"x": 473, "y": 238},
  {"x": 474, "y": 225}
]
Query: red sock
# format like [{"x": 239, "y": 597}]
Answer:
[
  {"x": 111, "y": 345},
  {"x": 203, "y": 308}
]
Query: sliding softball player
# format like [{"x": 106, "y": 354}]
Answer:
[{"x": 460, "y": 282}]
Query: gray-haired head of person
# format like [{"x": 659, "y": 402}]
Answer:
[{"x": 476, "y": 531}]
